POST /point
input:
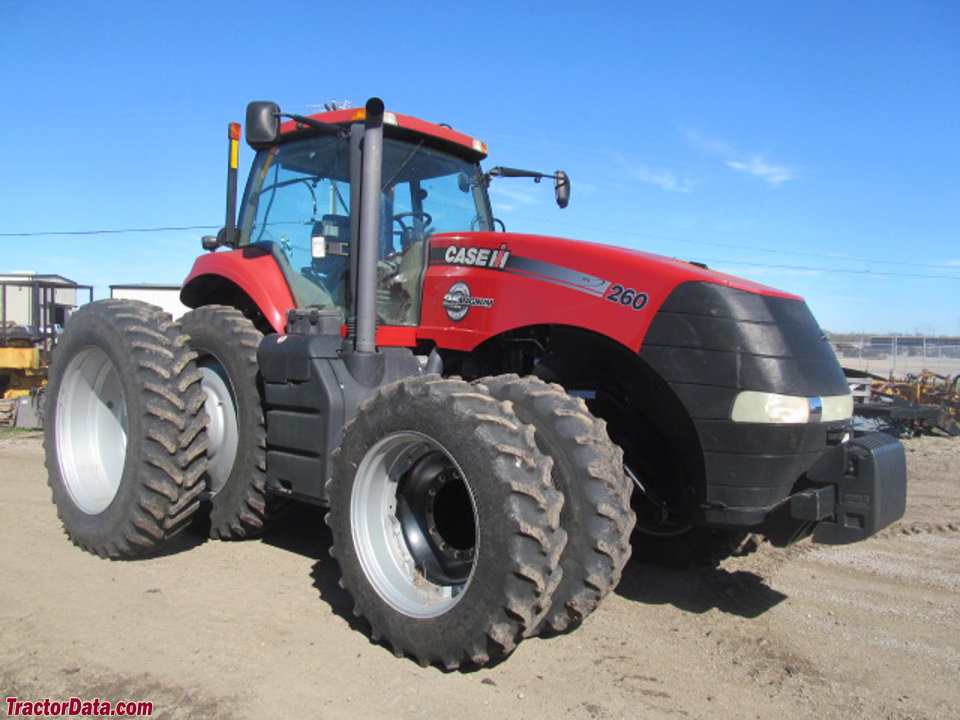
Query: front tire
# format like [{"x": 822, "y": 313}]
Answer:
[
  {"x": 124, "y": 429},
  {"x": 445, "y": 522}
]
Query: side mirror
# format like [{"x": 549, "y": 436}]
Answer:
[
  {"x": 263, "y": 124},
  {"x": 223, "y": 238},
  {"x": 562, "y": 188}
]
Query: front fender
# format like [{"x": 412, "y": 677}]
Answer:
[{"x": 251, "y": 269}]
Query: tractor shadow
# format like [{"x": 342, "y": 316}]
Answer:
[
  {"x": 302, "y": 530},
  {"x": 699, "y": 589}
]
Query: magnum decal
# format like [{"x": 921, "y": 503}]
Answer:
[
  {"x": 502, "y": 259},
  {"x": 458, "y": 301}
]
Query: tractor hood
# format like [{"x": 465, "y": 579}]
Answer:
[{"x": 516, "y": 280}]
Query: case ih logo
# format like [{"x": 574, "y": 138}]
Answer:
[
  {"x": 457, "y": 302},
  {"x": 477, "y": 257}
]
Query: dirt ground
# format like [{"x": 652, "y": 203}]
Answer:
[{"x": 260, "y": 629}]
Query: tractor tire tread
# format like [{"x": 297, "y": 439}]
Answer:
[
  {"x": 169, "y": 457},
  {"x": 588, "y": 469}
]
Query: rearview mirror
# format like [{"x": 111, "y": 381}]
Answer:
[
  {"x": 562, "y": 188},
  {"x": 263, "y": 124}
]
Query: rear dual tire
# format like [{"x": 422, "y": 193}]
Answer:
[
  {"x": 588, "y": 470},
  {"x": 124, "y": 429},
  {"x": 445, "y": 522}
]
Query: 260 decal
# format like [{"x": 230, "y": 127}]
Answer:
[{"x": 628, "y": 297}]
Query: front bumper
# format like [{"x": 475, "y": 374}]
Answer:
[
  {"x": 871, "y": 496},
  {"x": 867, "y": 495}
]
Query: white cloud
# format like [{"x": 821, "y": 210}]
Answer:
[
  {"x": 663, "y": 179},
  {"x": 659, "y": 176},
  {"x": 758, "y": 167},
  {"x": 524, "y": 198},
  {"x": 709, "y": 145},
  {"x": 752, "y": 164}
]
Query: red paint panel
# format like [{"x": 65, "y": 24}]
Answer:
[
  {"x": 256, "y": 272},
  {"x": 339, "y": 117},
  {"x": 552, "y": 281},
  {"x": 395, "y": 336}
]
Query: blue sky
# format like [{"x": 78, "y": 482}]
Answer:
[{"x": 810, "y": 146}]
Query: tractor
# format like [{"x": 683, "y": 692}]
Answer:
[{"x": 494, "y": 420}]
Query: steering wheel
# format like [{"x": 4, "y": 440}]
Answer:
[
  {"x": 477, "y": 219},
  {"x": 427, "y": 218}
]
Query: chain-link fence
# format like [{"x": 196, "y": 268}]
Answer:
[{"x": 899, "y": 355}]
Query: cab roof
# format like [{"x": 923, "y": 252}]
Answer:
[{"x": 398, "y": 125}]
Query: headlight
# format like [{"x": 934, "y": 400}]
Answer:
[
  {"x": 763, "y": 407},
  {"x": 837, "y": 407}
]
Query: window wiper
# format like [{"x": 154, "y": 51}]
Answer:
[
  {"x": 325, "y": 128},
  {"x": 401, "y": 166}
]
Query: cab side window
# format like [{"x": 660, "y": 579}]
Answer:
[{"x": 300, "y": 214}]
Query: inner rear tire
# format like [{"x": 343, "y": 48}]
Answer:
[
  {"x": 445, "y": 522},
  {"x": 124, "y": 429}
]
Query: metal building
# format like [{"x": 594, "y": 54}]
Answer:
[{"x": 166, "y": 297}]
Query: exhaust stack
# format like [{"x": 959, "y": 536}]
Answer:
[{"x": 368, "y": 252}]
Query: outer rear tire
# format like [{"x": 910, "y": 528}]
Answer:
[
  {"x": 124, "y": 430},
  {"x": 226, "y": 344},
  {"x": 430, "y": 468},
  {"x": 588, "y": 469}
]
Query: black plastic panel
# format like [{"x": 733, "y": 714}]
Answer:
[
  {"x": 707, "y": 334},
  {"x": 710, "y": 342},
  {"x": 311, "y": 389},
  {"x": 762, "y": 439}
]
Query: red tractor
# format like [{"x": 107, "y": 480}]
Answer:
[{"x": 491, "y": 418}]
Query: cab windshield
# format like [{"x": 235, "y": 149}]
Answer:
[{"x": 297, "y": 207}]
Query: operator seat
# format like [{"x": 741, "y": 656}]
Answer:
[{"x": 399, "y": 286}]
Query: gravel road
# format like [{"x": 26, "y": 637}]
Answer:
[{"x": 260, "y": 629}]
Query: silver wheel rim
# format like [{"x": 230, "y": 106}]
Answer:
[
  {"x": 223, "y": 431},
  {"x": 413, "y": 552},
  {"x": 91, "y": 436}
]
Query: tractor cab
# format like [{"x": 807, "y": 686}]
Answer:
[
  {"x": 299, "y": 206},
  {"x": 302, "y": 211}
]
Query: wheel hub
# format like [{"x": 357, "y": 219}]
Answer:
[
  {"x": 414, "y": 524},
  {"x": 440, "y": 540}
]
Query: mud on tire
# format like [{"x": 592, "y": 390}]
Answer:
[
  {"x": 226, "y": 344},
  {"x": 124, "y": 430},
  {"x": 588, "y": 470},
  {"x": 445, "y": 522}
]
